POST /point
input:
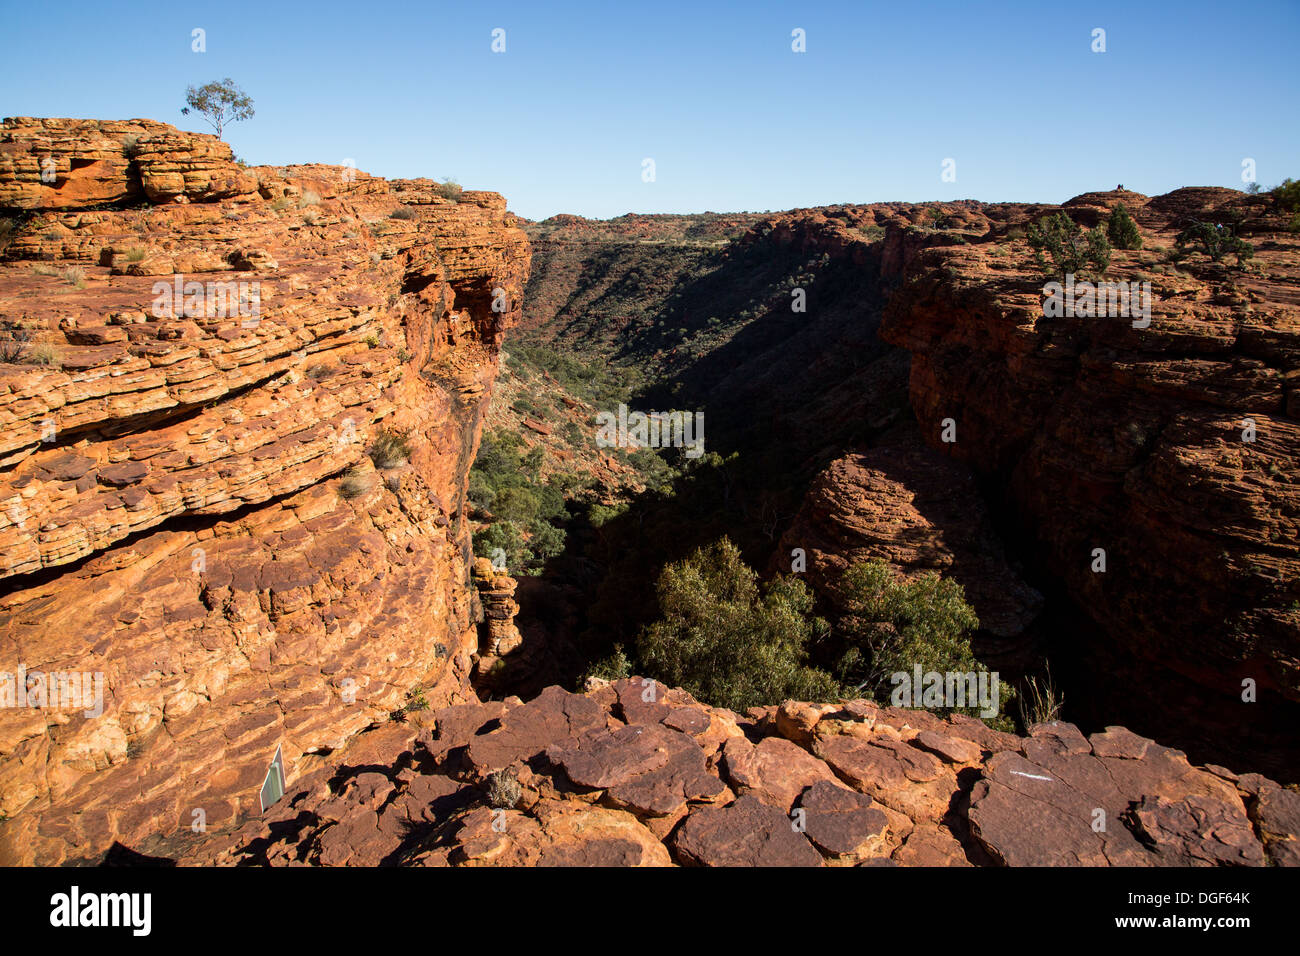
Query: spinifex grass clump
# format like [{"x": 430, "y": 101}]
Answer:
[
  {"x": 503, "y": 789},
  {"x": 354, "y": 483},
  {"x": 389, "y": 449}
]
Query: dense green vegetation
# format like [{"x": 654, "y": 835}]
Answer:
[
  {"x": 734, "y": 642},
  {"x": 527, "y": 512},
  {"x": 893, "y": 625},
  {"x": 728, "y": 642},
  {"x": 600, "y": 384}
]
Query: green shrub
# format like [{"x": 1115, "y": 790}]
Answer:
[
  {"x": 449, "y": 190},
  {"x": 891, "y": 625},
  {"x": 1287, "y": 194},
  {"x": 1072, "y": 251},
  {"x": 614, "y": 667},
  {"x": 726, "y": 643},
  {"x": 938, "y": 218},
  {"x": 403, "y": 212},
  {"x": 1215, "y": 240},
  {"x": 389, "y": 449},
  {"x": 526, "y": 511},
  {"x": 1121, "y": 230}
]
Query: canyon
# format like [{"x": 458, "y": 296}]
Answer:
[{"x": 198, "y": 505}]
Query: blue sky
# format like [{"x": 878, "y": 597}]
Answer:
[{"x": 732, "y": 117}]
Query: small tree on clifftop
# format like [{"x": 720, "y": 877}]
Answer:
[
  {"x": 1072, "y": 250},
  {"x": 219, "y": 102},
  {"x": 1121, "y": 230}
]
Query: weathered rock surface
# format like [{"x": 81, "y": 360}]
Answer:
[
  {"x": 187, "y": 504},
  {"x": 601, "y": 784},
  {"x": 1174, "y": 448},
  {"x": 905, "y": 504}
]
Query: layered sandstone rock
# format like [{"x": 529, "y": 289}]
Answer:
[
  {"x": 905, "y": 504},
  {"x": 1173, "y": 448},
  {"x": 188, "y": 505},
  {"x": 635, "y": 774}
]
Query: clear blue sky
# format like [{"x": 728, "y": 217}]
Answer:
[{"x": 733, "y": 119}]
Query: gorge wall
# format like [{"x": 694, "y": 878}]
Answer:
[
  {"x": 187, "y": 503},
  {"x": 1174, "y": 448},
  {"x": 1071, "y": 434},
  {"x": 205, "y": 508}
]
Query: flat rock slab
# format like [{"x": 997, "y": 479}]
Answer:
[
  {"x": 775, "y": 771},
  {"x": 1057, "y": 803},
  {"x": 554, "y": 716},
  {"x": 841, "y": 822},
  {"x": 745, "y": 833}
]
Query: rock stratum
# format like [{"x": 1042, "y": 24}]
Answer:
[
  {"x": 634, "y": 774},
  {"x": 187, "y": 506},
  {"x": 202, "y": 505}
]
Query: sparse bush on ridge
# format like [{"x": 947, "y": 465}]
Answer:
[
  {"x": 402, "y": 212},
  {"x": 1121, "y": 230},
  {"x": 449, "y": 190},
  {"x": 220, "y": 102},
  {"x": 1072, "y": 250},
  {"x": 1215, "y": 240}
]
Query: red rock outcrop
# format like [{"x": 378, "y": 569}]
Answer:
[
  {"x": 188, "y": 503},
  {"x": 1173, "y": 448},
  {"x": 905, "y": 504},
  {"x": 635, "y": 774}
]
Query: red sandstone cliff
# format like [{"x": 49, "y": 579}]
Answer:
[
  {"x": 1100, "y": 435},
  {"x": 187, "y": 505}
]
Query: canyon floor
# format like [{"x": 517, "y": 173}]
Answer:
[{"x": 269, "y": 530}]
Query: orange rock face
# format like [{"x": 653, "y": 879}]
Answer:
[
  {"x": 192, "y": 502},
  {"x": 1173, "y": 448}
]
